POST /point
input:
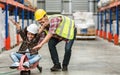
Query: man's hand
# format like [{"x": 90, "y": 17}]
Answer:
[
  {"x": 41, "y": 29},
  {"x": 37, "y": 47}
]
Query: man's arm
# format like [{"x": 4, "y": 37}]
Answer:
[{"x": 46, "y": 39}]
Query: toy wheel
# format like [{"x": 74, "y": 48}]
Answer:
[
  {"x": 25, "y": 72},
  {"x": 39, "y": 68}
]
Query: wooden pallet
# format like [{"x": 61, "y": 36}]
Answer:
[{"x": 85, "y": 36}]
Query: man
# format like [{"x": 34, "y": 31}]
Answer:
[{"x": 59, "y": 28}]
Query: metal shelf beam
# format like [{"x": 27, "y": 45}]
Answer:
[
  {"x": 114, "y": 4},
  {"x": 17, "y": 4}
]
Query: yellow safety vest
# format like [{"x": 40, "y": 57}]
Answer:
[
  {"x": 66, "y": 27},
  {"x": 46, "y": 31}
]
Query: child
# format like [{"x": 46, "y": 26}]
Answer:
[{"x": 30, "y": 37}]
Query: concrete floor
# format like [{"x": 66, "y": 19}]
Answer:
[{"x": 89, "y": 57}]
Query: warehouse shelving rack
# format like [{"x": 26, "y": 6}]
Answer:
[
  {"x": 5, "y": 5},
  {"x": 102, "y": 14}
]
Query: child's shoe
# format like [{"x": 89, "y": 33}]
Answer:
[
  {"x": 26, "y": 64},
  {"x": 14, "y": 65}
]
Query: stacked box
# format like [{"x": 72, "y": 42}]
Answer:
[
  {"x": 86, "y": 31},
  {"x": 111, "y": 1},
  {"x": 29, "y": 3},
  {"x": 2, "y": 29},
  {"x": 25, "y": 23},
  {"x": 81, "y": 31},
  {"x": 91, "y": 31},
  {"x": 30, "y": 21},
  {"x": 21, "y": 27},
  {"x": 84, "y": 22},
  {"x": 119, "y": 32},
  {"x": 33, "y": 3},
  {"x": 108, "y": 29},
  {"x": 12, "y": 32},
  {"x": 103, "y": 3}
]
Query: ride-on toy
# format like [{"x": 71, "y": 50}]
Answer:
[{"x": 26, "y": 71}]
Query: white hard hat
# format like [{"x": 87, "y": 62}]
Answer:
[{"x": 33, "y": 28}]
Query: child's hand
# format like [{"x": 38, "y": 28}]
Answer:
[
  {"x": 12, "y": 21},
  {"x": 15, "y": 23}
]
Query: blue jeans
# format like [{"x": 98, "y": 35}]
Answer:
[
  {"x": 32, "y": 58},
  {"x": 53, "y": 51}
]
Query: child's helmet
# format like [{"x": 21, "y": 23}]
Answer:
[{"x": 32, "y": 28}]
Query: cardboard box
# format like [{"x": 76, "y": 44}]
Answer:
[{"x": 91, "y": 31}]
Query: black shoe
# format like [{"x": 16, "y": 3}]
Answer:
[
  {"x": 13, "y": 67},
  {"x": 64, "y": 68},
  {"x": 39, "y": 68},
  {"x": 56, "y": 67}
]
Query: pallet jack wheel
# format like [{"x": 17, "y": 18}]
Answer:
[
  {"x": 39, "y": 68},
  {"x": 25, "y": 72}
]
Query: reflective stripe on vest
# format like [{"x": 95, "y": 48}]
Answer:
[
  {"x": 46, "y": 31},
  {"x": 66, "y": 28}
]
